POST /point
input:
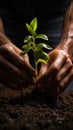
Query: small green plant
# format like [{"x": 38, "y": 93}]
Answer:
[{"x": 37, "y": 48}]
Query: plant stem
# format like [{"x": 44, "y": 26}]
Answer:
[
  {"x": 35, "y": 61},
  {"x": 36, "y": 67}
]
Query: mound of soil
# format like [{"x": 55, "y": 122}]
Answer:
[{"x": 20, "y": 110}]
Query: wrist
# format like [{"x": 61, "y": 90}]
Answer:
[
  {"x": 66, "y": 45},
  {"x": 3, "y": 39}
]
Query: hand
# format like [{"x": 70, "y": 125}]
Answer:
[
  {"x": 56, "y": 74},
  {"x": 15, "y": 70}
]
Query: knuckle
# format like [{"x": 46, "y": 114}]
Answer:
[
  {"x": 61, "y": 85},
  {"x": 69, "y": 61},
  {"x": 4, "y": 47},
  {"x": 55, "y": 67},
  {"x": 3, "y": 50}
]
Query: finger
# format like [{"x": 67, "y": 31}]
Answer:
[
  {"x": 11, "y": 84},
  {"x": 53, "y": 70},
  {"x": 11, "y": 81},
  {"x": 65, "y": 82},
  {"x": 19, "y": 51},
  {"x": 11, "y": 69},
  {"x": 64, "y": 70},
  {"x": 17, "y": 60},
  {"x": 26, "y": 58},
  {"x": 61, "y": 75},
  {"x": 43, "y": 69}
]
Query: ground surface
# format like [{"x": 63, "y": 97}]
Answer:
[{"x": 18, "y": 112}]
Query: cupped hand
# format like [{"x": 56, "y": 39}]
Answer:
[
  {"x": 57, "y": 74},
  {"x": 15, "y": 70}
]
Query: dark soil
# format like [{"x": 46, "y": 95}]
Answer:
[{"x": 26, "y": 111}]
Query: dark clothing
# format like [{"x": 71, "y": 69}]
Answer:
[
  {"x": 50, "y": 15},
  {"x": 15, "y": 13},
  {"x": 26, "y": 8}
]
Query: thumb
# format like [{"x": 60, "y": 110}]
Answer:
[
  {"x": 26, "y": 58},
  {"x": 18, "y": 51},
  {"x": 43, "y": 69}
]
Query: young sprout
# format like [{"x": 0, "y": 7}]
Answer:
[{"x": 37, "y": 48}]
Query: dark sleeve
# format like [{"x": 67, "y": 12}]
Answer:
[{"x": 6, "y": 9}]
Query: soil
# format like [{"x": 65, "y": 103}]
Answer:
[{"x": 20, "y": 110}]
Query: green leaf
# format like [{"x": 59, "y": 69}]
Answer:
[
  {"x": 22, "y": 53},
  {"x": 28, "y": 47},
  {"x": 42, "y": 36},
  {"x": 25, "y": 46},
  {"x": 45, "y": 56},
  {"x": 43, "y": 45},
  {"x": 46, "y": 46},
  {"x": 27, "y": 39},
  {"x": 25, "y": 51},
  {"x": 38, "y": 47},
  {"x": 42, "y": 61},
  {"x": 37, "y": 53},
  {"x": 30, "y": 29},
  {"x": 34, "y": 24}
]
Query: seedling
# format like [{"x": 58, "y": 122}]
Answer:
[{"x": 30, "y": 44}]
